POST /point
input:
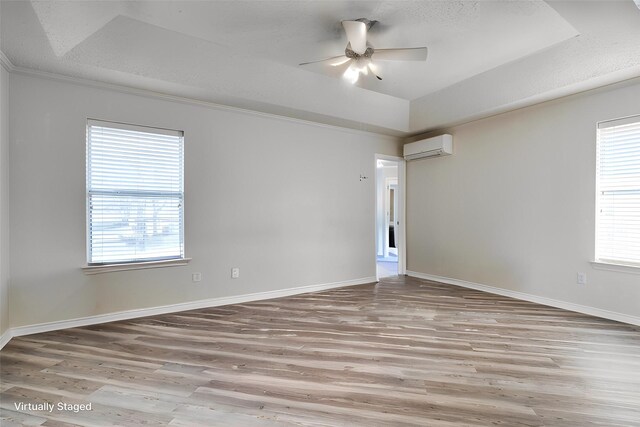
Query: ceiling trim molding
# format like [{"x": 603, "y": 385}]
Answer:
[
  {"x": 561, "y": 95},
  {"x": 6, "y": 62},
  {"x": 179, "y": 99}
]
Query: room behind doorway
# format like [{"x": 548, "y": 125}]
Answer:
[{"x": 388, "y": 213}]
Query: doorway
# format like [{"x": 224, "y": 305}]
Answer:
[{"x": 389, "y": 216}]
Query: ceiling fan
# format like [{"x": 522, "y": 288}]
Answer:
[{"x": 359, "y": 55}]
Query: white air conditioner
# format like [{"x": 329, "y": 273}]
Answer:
[{"x": 431, "y": 147}]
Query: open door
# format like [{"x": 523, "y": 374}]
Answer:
[{"x": 392, "y": 217}]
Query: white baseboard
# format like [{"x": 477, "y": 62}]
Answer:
[
  {"x": 173, "y": 308},
  {"x": 597, "y": 312},
  {"x": 5, "y": 337}
]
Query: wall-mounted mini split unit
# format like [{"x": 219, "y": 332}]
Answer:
[{"x": 431, "y": 147}]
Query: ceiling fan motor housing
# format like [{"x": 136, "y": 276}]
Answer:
[{"x": 349, "y": 53}]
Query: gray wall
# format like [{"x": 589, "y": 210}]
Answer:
[
  {"x": 514, "y": 207},
  {"x": 280, "y": 199},
  {"x": 4, "y": 200}
]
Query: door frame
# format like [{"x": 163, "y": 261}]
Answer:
[{"x": 401, "y": 230}]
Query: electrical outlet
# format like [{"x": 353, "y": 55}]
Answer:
[
  {"x": 235, "y": 272},
  {"x": 581, "y": 278},
  {"x": 196, "y": 277}
]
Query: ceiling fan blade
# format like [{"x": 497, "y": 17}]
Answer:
[
  {"x": 334, "y": 60},
  {"x": 374, "y": 71},
  {"x": 357, "y": 35},
  {"x": 333, "y": 67},
  {"x": 407, "y": 54}
]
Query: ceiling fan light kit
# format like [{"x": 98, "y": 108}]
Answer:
[{"x": 359, "y": 54}]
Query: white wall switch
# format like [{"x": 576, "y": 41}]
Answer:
[
  {"x": 235, "y": 272},
  {"x": 582, "y": 279},
  {"x": 196, "y": 277}
]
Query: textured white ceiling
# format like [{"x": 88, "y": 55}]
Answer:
[
  {"x": 245, "y": 53},
  {"x": 607, "y": 51}
]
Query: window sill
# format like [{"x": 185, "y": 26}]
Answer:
[
  {"x": 107, "y": 268},
  {"x": 610, "y": 266}
]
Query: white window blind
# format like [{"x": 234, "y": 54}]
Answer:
[
  {"x": 618, "y": 192},
  {"x": 134, "y": 193}
]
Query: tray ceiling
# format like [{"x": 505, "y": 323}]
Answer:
[{"x": 245, "y": 53}]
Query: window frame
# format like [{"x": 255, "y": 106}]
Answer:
[
  {"x": 134, "y": 264},
  {"x": 599, "y": 262}
]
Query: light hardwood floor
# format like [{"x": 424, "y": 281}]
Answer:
[{"x": 404, "y": 352}]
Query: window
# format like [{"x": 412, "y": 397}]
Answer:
[
  {"x": 618, "y": 192},
  {"x": 134, "y": 194}
]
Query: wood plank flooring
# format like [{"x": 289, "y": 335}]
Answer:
[{"x": 404, "y": 352}]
